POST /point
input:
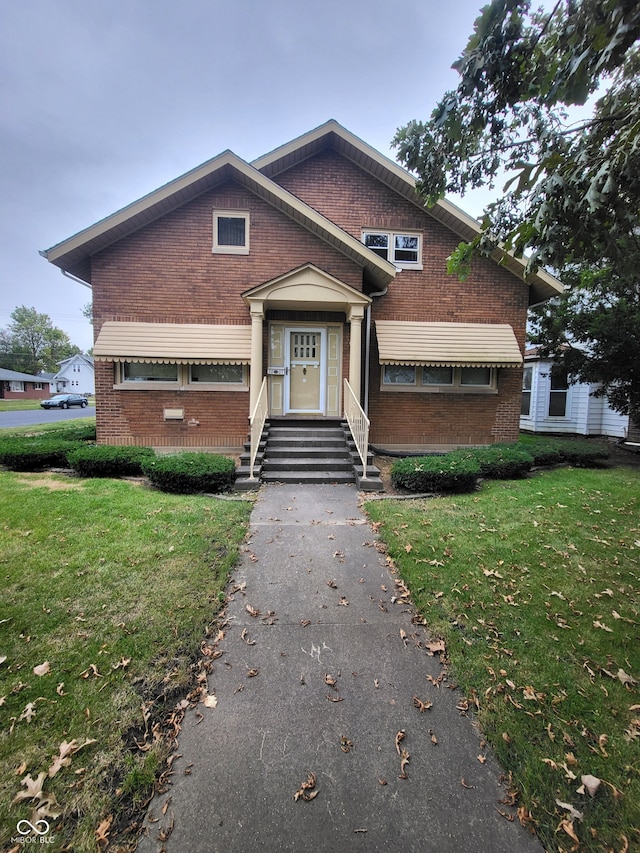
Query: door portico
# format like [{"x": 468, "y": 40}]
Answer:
[{"x": 312, "y": 349}]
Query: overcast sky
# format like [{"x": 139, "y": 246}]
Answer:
[{"x": 102, "y": 102}]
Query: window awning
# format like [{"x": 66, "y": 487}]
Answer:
[
  {"x": 447, "y": 344},
  {"x": 173, "y": 343}
]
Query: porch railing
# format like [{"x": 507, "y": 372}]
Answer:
[
  {"x": 257, "y": 422},
  {"x": 358, "y": 424}
]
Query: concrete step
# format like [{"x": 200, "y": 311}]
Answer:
[
  {"x": 303, "y": 463},
  {"x": 310, "y": 452},
  {"x": 318, "y": 477}
]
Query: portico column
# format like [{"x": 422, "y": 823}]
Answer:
[
  {"x": 356, "y": 313},
  {"x": 255, "y": 373}
]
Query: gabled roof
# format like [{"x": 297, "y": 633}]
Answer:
[
  {"x": 74, "y": 255},
  {"x": 7, "y": 375},
  {"x": 333, "y": 135}
]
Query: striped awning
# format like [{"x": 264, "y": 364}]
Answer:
[
  {"x": 447, "y": 344},
  {"x": 173, "y": 343}
]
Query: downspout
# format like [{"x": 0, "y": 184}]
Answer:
[{"x": 367, "y": 349}]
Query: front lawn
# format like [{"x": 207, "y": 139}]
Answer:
[
  {"x": 108, "y": 589},
  {"x": 534, "y": 585}
]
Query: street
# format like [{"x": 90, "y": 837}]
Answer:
[{"x": 31, "y": 417}]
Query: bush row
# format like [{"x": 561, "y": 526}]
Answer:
[
  {"x": 460, "y": 470},
  {"x": 185, "y": 473}
]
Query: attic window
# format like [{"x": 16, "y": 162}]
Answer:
[
  {"x": 231, "y": 232},
  {"x": 402, "y": 249}
]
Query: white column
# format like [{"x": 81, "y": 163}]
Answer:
[
  {"x": 356, "y": 313},
  {"x": 255, "y": 373}
]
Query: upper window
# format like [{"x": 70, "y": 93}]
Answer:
[
  {"x": 402, "y": 249},
  {"x": 231, "y": 232}
]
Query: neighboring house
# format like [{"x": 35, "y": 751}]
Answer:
[
  {"x": 315, "y": 263},
  {"x": 76, "y": 376},
  {"x": 551, "y": 405},
  {"x": 22, "y": 386}
]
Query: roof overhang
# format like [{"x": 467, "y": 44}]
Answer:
[
  {"x": 542, "y": 286},
  {"x": 74, "y": 255},
  {"x": 447, "y": 344},
  {"x": 173, "y": 343}
]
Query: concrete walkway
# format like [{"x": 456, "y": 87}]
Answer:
[{"x": 320, "y": 681}]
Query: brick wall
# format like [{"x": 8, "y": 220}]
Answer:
[
  {"x": 489, "y": 295},
  {"x": 166, "y": 273}
]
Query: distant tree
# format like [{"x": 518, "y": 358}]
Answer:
[
  {"x": 572, "y": 193},
  {"x": 87, "y": 311},
  {"x": 32, "y": 344}
]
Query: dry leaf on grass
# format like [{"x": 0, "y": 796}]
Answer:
[
  {"x": 43, "y": 669},
  {"x": 102, "y": 832},
  {"x": 574, "y": 813},
  {"x": 65, "y": 751}
]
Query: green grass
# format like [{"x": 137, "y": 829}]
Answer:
[
  {"x": 534, "y": 586},
  {"x": 114, "y": 585}
]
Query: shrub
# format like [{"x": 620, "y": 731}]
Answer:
[
  {"x": 582, "y": 453},
  {"x": 35, "y": 453},
  {"x": 545, "y": 452},
  {"x": 453, "y": 472},
  {"x": 188, "y": 473},
  {"x": 108, "y": 461},
  {"x": 502, "y": 461},
  {"x": 86, "y": 432}
]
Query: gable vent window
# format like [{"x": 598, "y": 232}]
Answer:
[
  {"x": 231, "y": 232},
  {"x": 402, "y": 249}
]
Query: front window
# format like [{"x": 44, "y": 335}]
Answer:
[
  {"x": 134, "y": 371},
  {"x": 558, "y": 392},
  {"x": 435, "y": 378},
  {"x": 16, "y": 385},
  {"x": 231, "y": 232},
  {"x": 402, "y": 249},
  {"x": 399, "y": 374},
  {"x": 231, "y": 373},
  {"x": 527, "y": 380}
]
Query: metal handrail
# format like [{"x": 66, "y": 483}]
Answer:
[
  {"x": 358, "y": 424},
  {"x": 257, "y": 422}
]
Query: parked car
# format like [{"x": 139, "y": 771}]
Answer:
[{"x": 63, "y": 401}]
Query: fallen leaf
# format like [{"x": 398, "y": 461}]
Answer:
[
  {"x": 252, "y": 673},
  {"x": 598, "y": 624},
  {"x": 306, "y": 790},
  {"x": 332, "y": 584},
  {"x": 435, "y": 646},
  {"x": 568, "y": 807},
  {"x": 591, "y": 783},
  {"x": 404, "y": 760},
  {"x": 434, "y": 739},
  {"x": 244, "y": 636},
  {"x": 65, "y": 751},
  {"x": 33, "y": 788},
  {"x": 29, "y": 712},
  {"x": 482, "y": 759},
  {"x": 346, "y": 745},
  {"x": 343, "y": 602},
  {"x": 400, "y": 736},
  {"x": 60, "y": 689},
  {"x": 210, "y": 701},
  {"x": 43, "y": 669},
  {"x": 567, "y": 826},
  {"x": 420, "y": 705},
  {"x": 408, "y": 548},
  {"x": 464, "y": 784},
  {"x": 624, "y": 678},
  {"x": 252, "y": 611},
  {"x": 330, "y": 680},
  {"x": 102, "y": 831}
]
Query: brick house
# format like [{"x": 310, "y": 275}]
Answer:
[
  {"x": 15, "y": 385},
  {"x": 314, "y": 264}
]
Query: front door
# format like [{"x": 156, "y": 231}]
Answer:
[{"x": 305, "y": 362}]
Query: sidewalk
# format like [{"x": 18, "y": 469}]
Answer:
[{"x": 321, "y": 681}]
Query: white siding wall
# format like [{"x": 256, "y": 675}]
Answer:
[{"x": 585, "y": 414}]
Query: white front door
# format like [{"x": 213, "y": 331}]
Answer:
[{"x": 306, "y": 369}]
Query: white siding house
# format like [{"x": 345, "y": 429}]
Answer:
[
  {"x": 550, "y": 404},
  {"x": 76, "y": 376}
]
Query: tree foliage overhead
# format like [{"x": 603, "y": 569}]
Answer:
[
  {"x": 32, "y": 344},
  {"x": 572, "y": 190}
]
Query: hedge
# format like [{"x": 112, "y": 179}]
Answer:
[
  {"x": 109, "y": 461},
  {"x": 454, "y": 472},
  {"x": 502, "y": 461},
  {"x": 189, "y": 473},
  {"x": 35, "y": 453}
]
